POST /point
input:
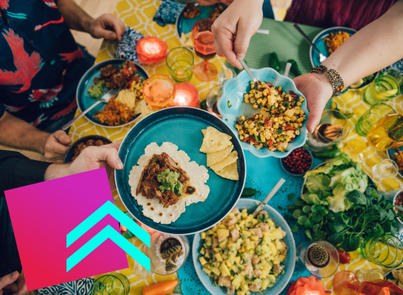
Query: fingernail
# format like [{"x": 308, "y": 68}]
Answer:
[
  {"x": 240, "y": 56},
  {"x": 119, "y": 164},
  {"x": 13, "y": 275}
]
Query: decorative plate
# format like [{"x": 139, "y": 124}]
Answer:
[
  {"x": 233, "y": 92},
  {"x": 182, "y": 127},
  {"x": 391, "y": 152},
  {"x": 84, "y": 100},
  {"x": 289, "y": 262}
]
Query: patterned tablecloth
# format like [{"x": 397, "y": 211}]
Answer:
[{"x": 138, "y": 15}]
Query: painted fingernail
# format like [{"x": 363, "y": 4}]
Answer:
[{"x": 119, "y": 164}]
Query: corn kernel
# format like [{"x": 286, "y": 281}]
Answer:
[
  {"x": 301, "y": 98},
  {"x": 242, "y": 118},
  {"x": 259, "y": 101},
  {"x": 261, "y": 128},
  {"x": 279, "y": 89},
  {"x": 246, "y": 100},
  {"x": 299, "y": 124},
  {"x": 299, "y": 104},
  {"x": 255, "y": 106},
  {"x": 241, "y": 132},
  {"x": 241, "y": 137},
  {"x": 275, "y": 119},
  {"x": 245, "y": 96},
  {"x": 276, "y": 105},
  {"x": 297, "y": 132}
]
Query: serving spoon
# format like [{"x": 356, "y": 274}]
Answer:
[
  {"x": 248, "y": 70},
  {"x": 269, "y": 196}
]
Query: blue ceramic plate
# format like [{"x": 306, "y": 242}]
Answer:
[
  {"x": 181, "y": 126},
  {"x": 233, "y": 92},
  {"x": 321, "y": 45},
  {"x": 289, "y": 262},
  {"x": 84, "y": 100},
  {"x": 185, "y": 25},
  {"x": 391, "y": 152}
]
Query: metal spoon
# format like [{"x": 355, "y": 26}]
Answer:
[
  {"x": 248, "y": 70},
  {"x": 321, "y": 56},
  {"x": 269, "y": 196}
]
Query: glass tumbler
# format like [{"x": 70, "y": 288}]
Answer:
[
  {"x": 385, "y": 169},
  {"x": 159, "y": 91},
  {"x": 111, "y": 284},
  {"x": 387, "y": 133},
  {"x": 383, "y": 88},
  {"x": 370, "y": 117},
  {"x": 332, "y": 129},
  {"x": 180, "y": 62},
  {"x": 386, "y": 251},
  {"x": 212, "y": 98}
]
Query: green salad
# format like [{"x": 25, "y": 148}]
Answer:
[{"x": 341, "y": 204}]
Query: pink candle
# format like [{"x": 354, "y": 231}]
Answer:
[{"x": 186, "y": 95}]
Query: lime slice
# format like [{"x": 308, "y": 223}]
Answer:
[
  {"x": 357, "y": 84},
  {"x": 389, "y": 92}
]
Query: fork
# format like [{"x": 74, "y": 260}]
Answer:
[
  {"x": 104, "y": 99},
  {"x": 321, "y": 56}
]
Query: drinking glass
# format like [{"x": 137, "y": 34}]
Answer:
[
  {"x": 321, "y": 271},
  {"x": 383, "y": 88},
  {"x": 370, "y": 117},
  {"x": 140, "y": 271},
  {"x": 345, "y": 283},
  {"x": 159, "y": 91},
  {"x": 386, "y": 251},
  {"x": 367, "y": 275},
  {"x": 385, "y": 169},
  {"x": 387, "y": 133},
  {"x": 180, "y": 64},
  {"x": 332, "y": 129},
  {"x": 159, "y": 264},
  {"x": 203, "y": 41},
  {"x": 212, "y": 98},
  {"x": 356, "y": 149},
  {"x": 111, "y": 284}
]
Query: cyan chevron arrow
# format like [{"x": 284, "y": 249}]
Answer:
[
  {"x": 98, "y": 239},
  {"x": 107, "y": 232}
]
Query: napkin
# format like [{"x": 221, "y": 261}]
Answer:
[
  {"x": 127, "y": 45},
  {"x": 81, "y": 287},
  {"x": 168, "y": 12}
]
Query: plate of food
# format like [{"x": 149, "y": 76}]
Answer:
[
  {"x": 397, "y": 156},
  {"x": 190, "y": 15},
  {"x": 184, "y": 170},
  {"x": 111, "y": 74},
  {"x": 270, "y": 117},
  {"x": 395, "y": 276},
  {"x": 242, "y": 254}
]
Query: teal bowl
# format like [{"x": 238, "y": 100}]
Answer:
[
  {"x": 233, "y": 92},
  {"x": 289, "y": 262}
]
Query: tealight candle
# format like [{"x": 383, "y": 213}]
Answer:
[
  {"x": 186, "y": 94},
  {"x": 151, "y": 50},
  {"x": 159, "y": 91}
]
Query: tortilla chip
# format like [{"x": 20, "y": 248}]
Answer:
[
  {"x": 214, "y": 141},
  {"x": 224, "y": 134},
  {"x": 229, "y": 172},
  {"x": 214, "y": 158},
  {"x": 231, "y": 158}
]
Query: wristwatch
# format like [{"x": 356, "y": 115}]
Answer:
[{"x": 334, "y": 77}]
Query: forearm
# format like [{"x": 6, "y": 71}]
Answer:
[
  {"x": 17, "y": 133},
  {"x": 56, "y": 171},
  {"x": 75, "y": 17},
  {"x": 371, "y": 49}
]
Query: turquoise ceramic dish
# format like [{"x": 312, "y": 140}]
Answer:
[
  {"x": 233, "y": 92},
  {"x": 289, "y": 262}
]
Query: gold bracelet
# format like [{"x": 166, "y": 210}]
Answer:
[{"x": 334, "y": 77}]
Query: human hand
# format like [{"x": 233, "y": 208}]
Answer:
[
  {"x": 233, "y": 29},
  {"x": 107, "y": 26},
  {"x": 56, "y": 146},
  {"x": 94, "y": 157},
  {"x": 14, "y": 284},
  {"x": 317, "y": 90}
]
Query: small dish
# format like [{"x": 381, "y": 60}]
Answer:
[
  {"x": 70, "y": 152},
  {"x": 287, "y": 169},
  {"x": 390, "y": 155},
  {"x": 231, "y": 107}
]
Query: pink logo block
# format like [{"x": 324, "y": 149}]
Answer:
[{"x": 43, "y": 214}]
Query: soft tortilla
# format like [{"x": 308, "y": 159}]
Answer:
[
  {"x": 214, "y": 141},
  {"x": 214, "y": 158},
  {"x": 198, "y": 176},
  {"x": 229, "y": 172},
  {"x": 231, "y": 158}
]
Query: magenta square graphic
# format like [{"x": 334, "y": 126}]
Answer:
[{"x": 43, "y": 214}]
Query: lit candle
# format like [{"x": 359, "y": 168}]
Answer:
[
  {"x": 186, "y": 94},
  {"x": 151, "y": 50},
  {"x": 159, "y": 91}
]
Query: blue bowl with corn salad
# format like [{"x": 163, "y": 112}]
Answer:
[{"x": 280, "y": 125}]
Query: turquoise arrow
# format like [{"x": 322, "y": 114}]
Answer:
[
  {"x": 107, "y": 232},
  {"x": 98, "y": 239}
]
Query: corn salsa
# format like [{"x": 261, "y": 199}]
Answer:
[
  {"x": 243, "y": 253},
  {"x": 279, "y": 120}
]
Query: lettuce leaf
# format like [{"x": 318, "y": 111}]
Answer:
[{"x": 319, "y": 185}]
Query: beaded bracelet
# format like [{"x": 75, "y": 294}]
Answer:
[{"x": 334, "y": 77}]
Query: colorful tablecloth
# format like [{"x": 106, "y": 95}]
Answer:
[{"x": 288, "y": 45}]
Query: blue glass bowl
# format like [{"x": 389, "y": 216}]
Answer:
[
  {"x": 289, "y": 262},
  {"x": 233, "y": 92}
]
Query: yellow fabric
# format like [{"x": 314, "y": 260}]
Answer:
[{"x": 138, "y": 15}]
